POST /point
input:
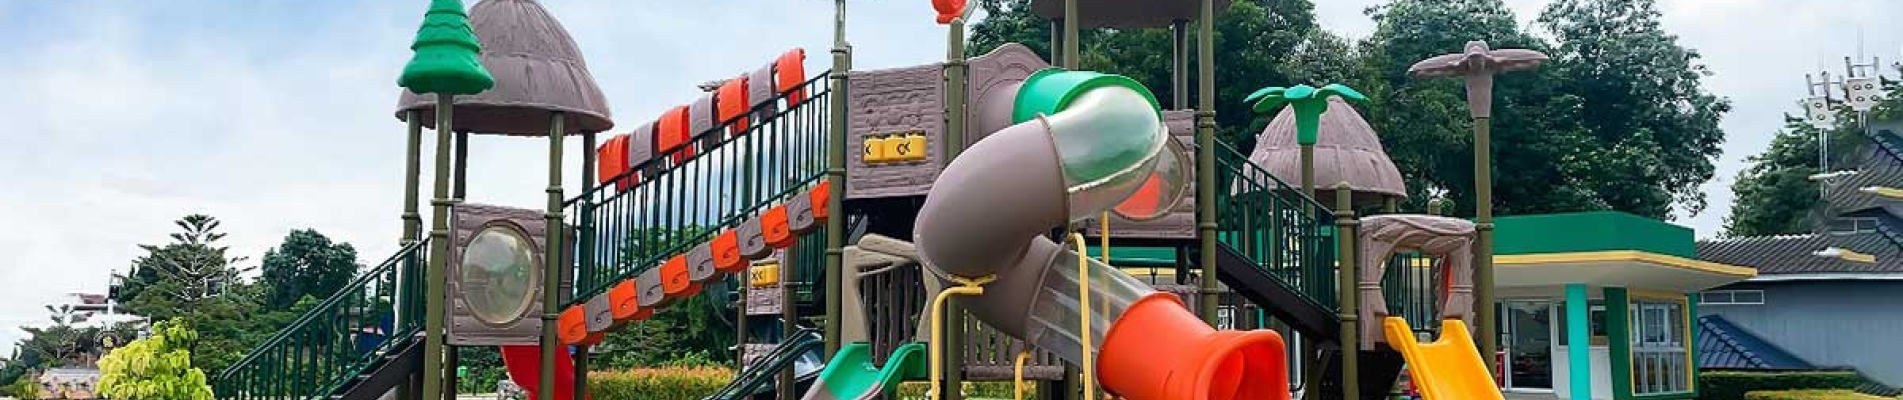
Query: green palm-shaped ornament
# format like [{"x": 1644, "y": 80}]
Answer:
[{"x": 1309, "y": 104}]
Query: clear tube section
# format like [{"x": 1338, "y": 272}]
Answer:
[
  {"x": 1055, "y": 311},
  {"x": 1107, "y": 140}
]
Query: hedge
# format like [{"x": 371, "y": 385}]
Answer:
[
  {"x": 973, "y": 390},
  {"x": 1831, "y": 394},
  {"x": 1733, "y": 385},
  {"x": 668, "y": 383}
]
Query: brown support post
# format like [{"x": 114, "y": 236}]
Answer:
[
  {"x": 412, "y": 167},
  {"x": 1206, "y": 157},
  {"x": 433, "y": 293},
  {"x": 1483, "y": 248},
  {"x": 552, "y": 258},
  {"x": 1179, "y": 61},
  {"x": 1350, "y": 339}
]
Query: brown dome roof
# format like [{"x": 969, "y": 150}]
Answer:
[
  {"x": 1127, "y": 14},
  {"x": 1346, "y": 149},
  {"x": 538, "y": 70}
]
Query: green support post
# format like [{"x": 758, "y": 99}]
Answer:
[
  {"x": 836, "y": 179},
  {"x": 412, "y": 167},
  {"x": 587, "y": 247},
  {"x": 1346, "y": 224},
  {"x": 1179, "y": 60},
  {"x": 1206, "y": 158},
  {"x": 434, "y": 291},
  {"x": 1578, "y": 335},
  {"x": 1483, "y": 247},
  {"x": 955, "y": 121},
  {"x": 460, "y": 187},
  {"x": 552, "y": 257}
]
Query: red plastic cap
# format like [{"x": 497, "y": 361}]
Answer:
[
  {"x": 949, "y": 10},
  {"x": 1200, "y": 364}
]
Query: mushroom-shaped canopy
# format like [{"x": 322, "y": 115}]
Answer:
[
  {"x": 538, "y": 71},
  {"x": 1346, "y": 150},
  {"x": 1126, "y": 14}
]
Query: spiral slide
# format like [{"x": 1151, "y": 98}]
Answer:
[{"x": 1078, "y": 144}]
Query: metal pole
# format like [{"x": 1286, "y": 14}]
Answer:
[
  {"x": 1483, "y": 249},
  {"x": 587, "y": 244},
  {"x": 461, "y": 187},
  {"x": 1070, "y": 34},
  {"x": 1057, "y": 41},
  {"x": 955, "y": 121},
  {"x": 1346, "y": 223},
  {"x": 433, "y": 296},
  {"x": 552, "y": 257},
  {"x": 1179, "y": 60},
  {"x": 1206, "y": 157},
  {"x": 836, "y": 179}
]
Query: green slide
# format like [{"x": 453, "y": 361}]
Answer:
[{"x": 851, "y": 376}]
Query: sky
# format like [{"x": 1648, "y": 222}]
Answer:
[{"x": 123, "y": 115}]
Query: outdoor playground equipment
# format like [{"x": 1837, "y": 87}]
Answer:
[{"x": 749, "y": 195}]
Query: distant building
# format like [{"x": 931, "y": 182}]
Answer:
[
  {"x": 1824, "y": 299},
  {"x": 69, "y": 383}
]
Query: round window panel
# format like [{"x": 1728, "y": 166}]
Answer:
[{"x": 499, "y": 274}]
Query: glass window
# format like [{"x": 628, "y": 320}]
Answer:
[
  {"x": 1595, "y": 313},
  {"x": 1659, "y": 347},
  {"x": 500, "y": 274},
  {"x": 1853, "y": 225},
  {"x": 1731, "y": 297}
]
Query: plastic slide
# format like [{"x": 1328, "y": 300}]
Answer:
[
  {"x": 851, "y": 376},
  {"x": 1448, "y": 368},
  {"x": 525, "y": 368}
]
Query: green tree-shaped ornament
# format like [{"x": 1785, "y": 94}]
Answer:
[
  {"x": 446, "y": 59},
  {"x": 1309, "y": 104}
]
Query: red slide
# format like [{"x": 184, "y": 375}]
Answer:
[{"x": 525, "y": 364}]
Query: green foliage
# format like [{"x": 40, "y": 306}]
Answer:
[
  {"x": 483, "y": 366},
  {"x": 306, "y": 264},
  {"x": 446, "y": 54},
  {"x": 1775, "y": 195},
  {"x": 973, "y": 390},
  {"x": 179, "y": 277},
  {"x": 671, "y": 383},
  {"x": 688, "y": 333},
  {"x": 155, "y": 368},
  {"x": 1733, "y": 385},
  {"x": 23, "y": 387},
  {"x": 1837, "y": 394}
]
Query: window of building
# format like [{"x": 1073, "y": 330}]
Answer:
[
  {"x": 1845, "y": 226},
  {"x": 1660, "y": 354},
  {"x": 1731, "y": 297},
  {"x": 1595, "y": 313}
]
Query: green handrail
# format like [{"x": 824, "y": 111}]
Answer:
[
  {"x": 342, "y": 336},
  {"x": 681, "y": 203},
  {"x": 764, "y": 369},
  {"x": 1411, "y": 283},
  {"x": 1287, "y": 235}
]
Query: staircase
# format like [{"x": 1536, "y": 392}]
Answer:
[
  {"x": 365, "y": 339},
  {"x": 1277, "y": 249},
  {"x": 356, "y": 344},
  {"x": 683, "y": 200}
]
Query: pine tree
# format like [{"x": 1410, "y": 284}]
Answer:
[{"x": 446, "y": 59}]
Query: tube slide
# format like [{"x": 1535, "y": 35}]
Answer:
[
  {"x": 1083, "y": 143},
  {"x": 851, "y": 375},
  {"x": 1447, "y": 369},
  {"x": 525, "y": 368}
]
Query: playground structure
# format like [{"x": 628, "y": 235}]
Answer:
[{"x": 963, "y": 169}]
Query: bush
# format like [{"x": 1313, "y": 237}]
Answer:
[
  {"x": 667, "y": 383},
  {"x": 155, "y": 368},
  {"x": 973, "y": 390},
  {"x": 1833, "y": 394},
  {"x": 1733, "y": 385}
]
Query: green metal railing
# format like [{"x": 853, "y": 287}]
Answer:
[
  {"x": 680, "y": 203},
  {"x": 762, "y": 371},
  {"x": 343, "y": 336},
  {"x": 1411, "y": 284},
  {"x": 1286, "y": 234}
]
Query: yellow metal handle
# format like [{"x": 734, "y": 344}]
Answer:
[
  {"x": 1083, "y": 305},
  {"x": 1018, "y": 386},
  {"x": 966, "y": 287}
]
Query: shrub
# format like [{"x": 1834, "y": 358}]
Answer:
[
  {"x": 1832, "y": 394},
  {"x": 155, "y": 368},
  {"x": 973, "y": 390},
  {"x": 667, "y": 383},
  {"x": 1733, "y": 385}
]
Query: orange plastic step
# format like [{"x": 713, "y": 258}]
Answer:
[{"x": 672, "y": 133}]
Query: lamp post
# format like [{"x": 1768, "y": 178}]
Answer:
[{"x": 1478, "y": 64}]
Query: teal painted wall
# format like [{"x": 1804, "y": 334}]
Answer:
[{"x": 1590, "y": 231}]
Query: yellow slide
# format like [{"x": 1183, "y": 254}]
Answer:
[{"x": 1447, "y": 369}]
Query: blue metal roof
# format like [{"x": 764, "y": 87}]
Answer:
[{"x": 1723, "y": 345}]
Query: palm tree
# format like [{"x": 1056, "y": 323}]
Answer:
[{"x": 1309, "y": 103}]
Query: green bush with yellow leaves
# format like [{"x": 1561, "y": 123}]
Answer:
[
  {"x": 1830, "y": 394},
  {"x": 665, "y": 383},
  {"x": 155, "y": 368}
]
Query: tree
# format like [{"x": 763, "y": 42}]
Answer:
[
  {"x": 1644, "y": 100},
  {"x": 155, "y": 368},
  {"x": 180, "y": 276},
  {"x": 306, "y": 264},
  {"x": 1253, "y": 38}
]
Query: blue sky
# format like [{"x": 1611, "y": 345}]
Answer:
[{"x": 122, "y": 115}]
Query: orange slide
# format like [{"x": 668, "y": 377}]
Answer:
[{"x": 524, "y": 363}]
